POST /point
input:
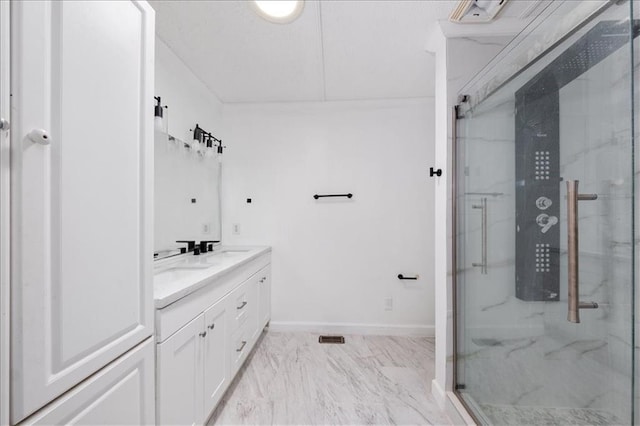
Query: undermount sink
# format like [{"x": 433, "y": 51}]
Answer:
[
  {"x": 187, "y": 267},
  {"x": 230, "y": 253},
  {"x": 192, "y": 264},
  {"x": 178, "y": 271}
]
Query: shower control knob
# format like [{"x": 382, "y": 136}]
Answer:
[{"x": 39, "y": 136}]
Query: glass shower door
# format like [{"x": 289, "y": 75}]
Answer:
[{"x": 545, "y": 237}]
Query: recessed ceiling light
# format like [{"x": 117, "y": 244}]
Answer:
[{"x": 278, "y": 11}]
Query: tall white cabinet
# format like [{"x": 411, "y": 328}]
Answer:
[{"x": 81, "y": 199}]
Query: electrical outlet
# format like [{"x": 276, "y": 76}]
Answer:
[
  {"x": 388, "y": 304},
  {"x": 206, "y": 229},
  {"x": 236, "y": 229}
]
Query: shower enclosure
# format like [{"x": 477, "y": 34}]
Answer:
[{"x": 545, "y": 253}]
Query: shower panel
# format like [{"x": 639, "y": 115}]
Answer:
[
  {"x": 545, "y": 251},
  {"x": 537, "y": 192}
]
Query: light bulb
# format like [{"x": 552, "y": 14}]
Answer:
[
  {"x": 277, "y": 8},
  {"x": 157, "y": 114},
  {"x": 278, "y": 11},
  {"x": 220, "y": 150},
  {"x": 209, "y": 149},
  {"x": 158, "y": 124}
]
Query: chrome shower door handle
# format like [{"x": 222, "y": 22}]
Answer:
[
  {"x": 482, "y": 206},
  {"x": 573, "y": 252}
]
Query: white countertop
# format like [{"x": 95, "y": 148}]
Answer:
[{"x": 178, "y": 277}]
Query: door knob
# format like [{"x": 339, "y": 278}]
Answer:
[{"x": 4, "y": 124}]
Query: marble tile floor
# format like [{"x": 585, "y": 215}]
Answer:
[
  {"x": 512, "y": 415},
  {"x": 291, "y": 379}
]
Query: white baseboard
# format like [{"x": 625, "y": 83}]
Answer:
[
  {"x": 439, "y": 394},
  {"x": 350, "y": 328}
]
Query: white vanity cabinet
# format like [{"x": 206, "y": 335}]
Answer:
[
  {"x": 82, "y": 83},
  {"x": 193, "y": 369},
  {"x": 203, "y": 339}
]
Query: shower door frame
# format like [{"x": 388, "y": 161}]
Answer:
[{"x": 455, "y": 118}]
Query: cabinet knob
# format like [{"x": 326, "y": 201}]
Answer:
[
  {"x": 212, "y": 326},
  {"x": 204, "y": 333},
  {"x": 39, "y": 136}
]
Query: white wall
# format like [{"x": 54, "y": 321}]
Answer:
[
  {"x": 336, "y": 261},
  {"x": 180, "y": 177}
]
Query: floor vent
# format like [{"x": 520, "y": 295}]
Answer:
[{"x": 331, "y": 339}]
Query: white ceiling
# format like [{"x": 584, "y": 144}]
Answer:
[{"x": 335, "y": 50}]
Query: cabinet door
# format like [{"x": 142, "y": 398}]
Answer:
[
  {"x": 264, "y": 297},
  {"x": 216, "y": 355},
  {"x": 179, "y": 378},
  {"x": 120, "y": 394},
  {"x": 82, "y": 295}
]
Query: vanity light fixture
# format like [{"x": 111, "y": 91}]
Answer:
[
  {"x": 278, "y": 11},
  {"x": 209, "y": 151},
  {"x": 158, "y": 112},
  {"x": 220, "y": 149},
  {"x": 205, "y": 143},
  {"x": 195, "y": 141}
]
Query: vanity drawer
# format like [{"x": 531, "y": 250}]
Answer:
[
  {"x": 241, "y": 345},
  {"x": 243, "y": 301},
  {"x": 240, "y": 306}
]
